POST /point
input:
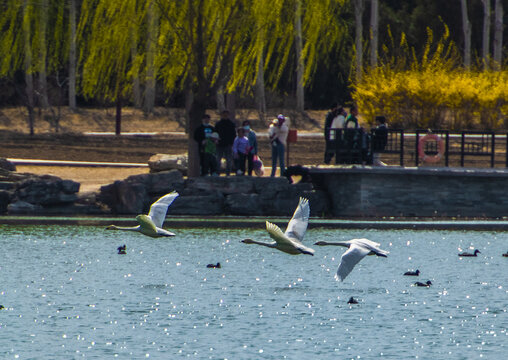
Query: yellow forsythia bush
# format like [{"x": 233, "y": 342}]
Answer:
[
  {"x": 433, "y": 91},
  {"x": 455, "y": 100}
]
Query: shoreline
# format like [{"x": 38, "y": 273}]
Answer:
[{"x": 238, "y": 222}]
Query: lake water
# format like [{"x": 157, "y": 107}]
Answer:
[{"x": 67, "y": 294}]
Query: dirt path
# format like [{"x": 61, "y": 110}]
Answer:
[{"x": 127, "y": 149}]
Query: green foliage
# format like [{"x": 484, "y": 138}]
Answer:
[{"x": 107, "y": 30}]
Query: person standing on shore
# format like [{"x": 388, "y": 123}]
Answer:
[
  {"x": 227, "y": 132},
  {"x": 328, "y": 125},
  {"x": 201, "y": 133},
  {"x": 253, "y": 144},
  {"x": 278, "y": 133},
  {"x": 241, "y": 149},
  {"x": 379, "y": 140}
]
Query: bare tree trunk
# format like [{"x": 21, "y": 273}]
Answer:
[
  {"x": 260, "y": 87},
  {"x": 153, "y": 25},
  {"x": 43, "y": 81},
  {"x": 498, "y": 35},
  {"x": 189, "y": 99},
  {"x": 197, "y": 110},
  {"x": 136, "y": 86},
  {"x": 466, "y": 26},
  {"x": 359, "y": 7},
  {"x": 72, "y": 55},
  {"x": 231, "y": 105},
  {"x": 374, "y": 32},
  {"x": 118, "y": 116},
  {"x": 486, "y": 33},
  {"x": 28, "y": 68},
  {"x": 220, "y": 98},
  {"x": 300, "y": 100}
]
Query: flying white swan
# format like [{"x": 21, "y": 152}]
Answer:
[
  {"x": 291, "y": 241},
  {"x": 151, "y": 224},
  {"x": 358, "y": 249}
]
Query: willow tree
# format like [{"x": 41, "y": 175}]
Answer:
[
  {"x": 24, "y": 47},
  {"x": 105, "y": 30},
  {"x": 199, "y": 40},
  {"x": 276, "y": 45}
]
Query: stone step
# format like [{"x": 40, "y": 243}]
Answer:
[{"x": 7, "y": 185}]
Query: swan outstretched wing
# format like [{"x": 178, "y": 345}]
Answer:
[
  {"x": 277, "y": 234},
  {"x": 349, "y": 259},
  {"x": 159, "y": 208},
  {"x": 298, "y": 223}
]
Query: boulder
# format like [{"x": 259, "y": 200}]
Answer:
[
  {"x": 165, "y": 162},
  {"x": 320, "y": 202},
  {"x": 211, "y": 204},
  {"x": 269, "y": 187},
  {"x": 124, "y": 197},
  {"x": 164, "y": 182},
  {"x": 47, "y": 190},
  {"x": 7, "y": 165},
  {"x": 159, "y": 183},
  {"x": 243, "y": 204},
  {"x": 5, "y": 198},
  {"x": 23, "y": 207},
  {"x": 225, "y": 185}
]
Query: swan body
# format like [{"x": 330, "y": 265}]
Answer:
[
  {"x": 466, "y": 254},
  {"x": 357, "y": 250},
  {"x": 425, "y": 284},
  {"x": 151, "y": 224},
  {"x": 412, "y": 273},
  {"x": 290, "y": 241}
]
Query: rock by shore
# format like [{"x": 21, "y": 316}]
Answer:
[{"x": 23, "y": 193}]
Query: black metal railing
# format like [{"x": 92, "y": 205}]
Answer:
[{"x": 355, "y": 146}]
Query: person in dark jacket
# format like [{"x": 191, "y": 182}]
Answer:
[
  {"x": 329, "y": 150},
  {"x": 227, "y": 133},
  {"x": 201, "y": 133},
  {"x": 379, "y": 140}
]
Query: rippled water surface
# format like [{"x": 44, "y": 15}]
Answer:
[{"x": 67, "y": 294}]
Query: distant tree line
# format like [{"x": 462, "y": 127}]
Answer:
[{"x": 201, "y": 54}]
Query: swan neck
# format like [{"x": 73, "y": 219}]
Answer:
[
  {"x": 339, "y": 243},
  {"x": 125, "y": 228},
  {"x": 270, "y": 245}
]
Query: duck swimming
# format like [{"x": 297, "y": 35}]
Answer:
[
  {"x": 412, "y": 273},
  {"x": 121, "y": 249},
  {"x": 352, "y": 300},
  {"x": 467, "y": 254},
  {"x": 426, "y": 284},
  {"x": 505, "y": 254},
  {"x": 214, "y": 266}
]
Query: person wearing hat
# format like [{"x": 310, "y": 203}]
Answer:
[
  {"x": 210, "y": 155},
  {"x": 278, "y": 133},
  {"x": 202, "y": 133}
]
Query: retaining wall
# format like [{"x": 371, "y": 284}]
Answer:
[{"x": 396, "y": 191}]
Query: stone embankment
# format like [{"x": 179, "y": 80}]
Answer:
[{"x": 237, "y": 195}]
